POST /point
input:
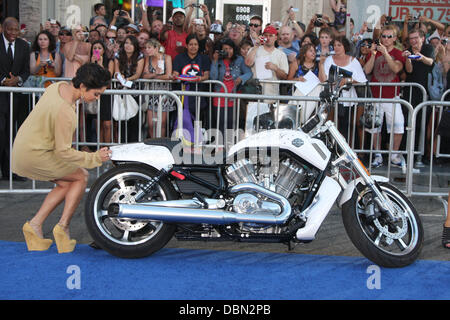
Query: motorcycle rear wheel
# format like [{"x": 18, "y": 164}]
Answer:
[
  {"x": 126, "y": 238},
  {"x": 391, "y": 245}
]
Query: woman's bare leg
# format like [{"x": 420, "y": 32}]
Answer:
[
  {"x": 73, "y": 196},
  {"x": 71, "y": 189}
]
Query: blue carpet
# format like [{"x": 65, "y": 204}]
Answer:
[{"x": 180, "y": 274}]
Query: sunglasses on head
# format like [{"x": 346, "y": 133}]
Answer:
[
  {"x": 254, "y": 25},
  {"x": 387, "y": 36}
]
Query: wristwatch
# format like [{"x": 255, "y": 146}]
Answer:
[{"x": 20, "y": 83}]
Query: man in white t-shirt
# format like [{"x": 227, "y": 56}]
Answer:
[{"x": 268, "y": 62}]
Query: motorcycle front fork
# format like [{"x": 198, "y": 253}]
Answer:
[{"x": 349, "y": 156}]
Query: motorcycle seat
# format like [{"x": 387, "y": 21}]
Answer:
[
  {"x": 165, "y": 142},
  {"x": 187, "y": 157}
]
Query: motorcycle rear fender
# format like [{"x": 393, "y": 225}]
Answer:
[
  {"x": 348, "y": 192},
  {"x": 156, "y": 156}
]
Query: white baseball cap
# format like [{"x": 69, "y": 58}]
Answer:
[{"x": 176, "y": 10}]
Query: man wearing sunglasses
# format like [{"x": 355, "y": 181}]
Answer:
[
  {"x": 385, "y": 62},
  {"x": 255, "y": 29}
]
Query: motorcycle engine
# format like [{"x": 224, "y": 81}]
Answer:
[{"x": 282, "y": 179}]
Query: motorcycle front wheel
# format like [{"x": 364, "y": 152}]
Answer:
[
  {"x": 388, "y": 244},
  {"x": 126, "y": 238}
]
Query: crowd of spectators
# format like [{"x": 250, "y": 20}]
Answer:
[{"x": 194, "y": 44}]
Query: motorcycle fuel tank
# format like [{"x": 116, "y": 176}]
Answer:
[{"x": 299, "y": 143}]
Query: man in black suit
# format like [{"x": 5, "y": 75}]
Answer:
[{"x": 14, "y": 71}]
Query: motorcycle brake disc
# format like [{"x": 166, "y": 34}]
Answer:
[
  {"x": 126, "y": 195},
  {"x": 400, "y": 231}
]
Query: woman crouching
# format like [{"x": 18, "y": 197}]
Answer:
[{"x": 43, "y": 151}]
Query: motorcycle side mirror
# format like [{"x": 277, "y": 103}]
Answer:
[{"x": 336, "y": 71}]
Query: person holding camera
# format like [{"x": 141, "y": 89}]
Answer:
[
  {"x": 292, "y": 22},
  {"x": 111, "y": 43},
  {"x": 121, "y": 18},
  {"x": 318, "y": 21},
  {"x": 267, "y": 61},
  {"x": 419, "y": 63},
  {"x": 45, "y": 61},
  {"x": 228, "y": 67},
  {"x": 385, "y": 62},
  {"x": 339, "y": 8},
  {"x": 76, "y": 52},
  {"x": 255, "y": 26}
]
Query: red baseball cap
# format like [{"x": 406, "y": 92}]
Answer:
[{"x": 270, "y": 30}]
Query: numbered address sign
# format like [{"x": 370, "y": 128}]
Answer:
[{"x": 240, "y": 13}]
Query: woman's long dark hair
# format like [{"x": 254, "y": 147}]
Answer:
[
  {"x": 104, "y": 56},
  {"x": 51, "y": 44},
  {"x": 123, "y": 59}
]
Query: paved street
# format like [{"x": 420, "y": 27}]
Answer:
[{"x": 331, "y": 239}]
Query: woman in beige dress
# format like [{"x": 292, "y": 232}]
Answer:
[{"x": 43, "y": 151}]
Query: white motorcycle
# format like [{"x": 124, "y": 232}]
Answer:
[{"x": 274, "y": 186}]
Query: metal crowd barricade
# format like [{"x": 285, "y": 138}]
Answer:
[
  {"x": 34, "y": 91},
  {"x": 238, "y": 98},
  {"x": 381, "y": 86},
  {"x": 445, "y": 175},
  {"x": 141, "y": 84},
  {"x": 439, "y": 140}
]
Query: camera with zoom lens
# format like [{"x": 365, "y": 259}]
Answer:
[
  {"x": 388, "y": 20},
  {"x": 223, "y": 54},
  {"x": 216, "y": 28},
  {"x": 319, "y": 21},
  {"x": 415, "y": 18},
  {"x": 444, "y": 42}
]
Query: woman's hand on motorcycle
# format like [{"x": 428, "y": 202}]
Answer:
[{"x": 105, "y": 154}]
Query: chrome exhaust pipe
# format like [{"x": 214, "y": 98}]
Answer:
[{"x": 157, "y": 211}]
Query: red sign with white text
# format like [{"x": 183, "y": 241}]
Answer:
[{"x": 438, "y": 10}]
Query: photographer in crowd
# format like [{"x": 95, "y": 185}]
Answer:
[
  {"x": 385, "y": 62},
  {"x": 268, "y": 62},
  {"x": 228, "y": 67}
]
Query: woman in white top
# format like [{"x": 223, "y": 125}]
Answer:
[{"x": 343, "y": 60}]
